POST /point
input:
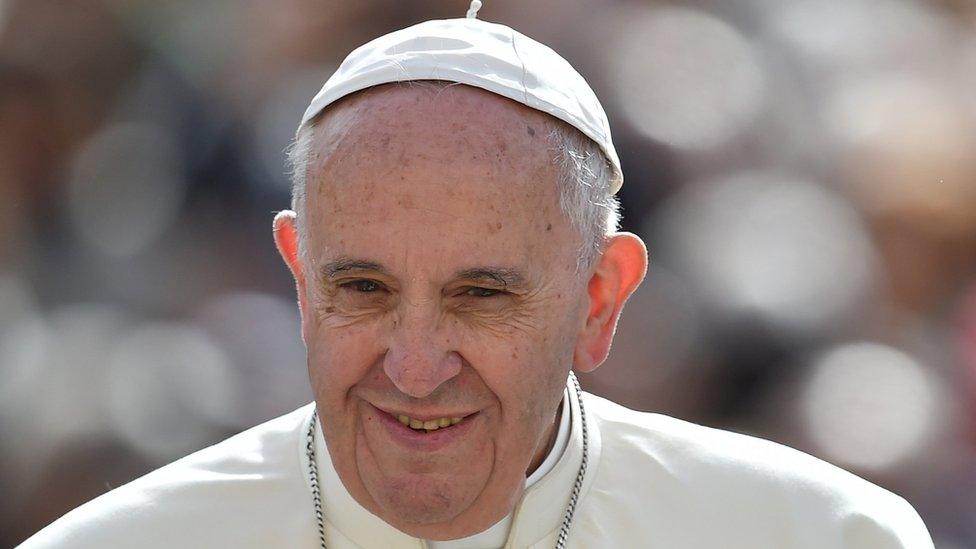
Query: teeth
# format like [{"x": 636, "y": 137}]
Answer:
[{"x": 430, "y": 425}]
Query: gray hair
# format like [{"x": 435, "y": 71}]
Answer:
[{"x": 584, "y": 184}]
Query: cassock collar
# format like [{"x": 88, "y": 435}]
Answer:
[{"x": 537, "y": 515}]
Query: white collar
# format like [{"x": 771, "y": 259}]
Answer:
[{"x": 536, "y": 517}]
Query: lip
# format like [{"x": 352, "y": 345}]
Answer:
[
  {"x": 422, "y": 440},
  {"x": 422, "y": 416}
]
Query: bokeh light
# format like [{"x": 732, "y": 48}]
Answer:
[
  {"x": 684, "y": 77},
  {"x": 861, "y": 33},
  {"x": 126, "y": 188},
  {"x": 908, "y": 146},
  {"x": 771, "y": 245},
  {"x": 22, "y": 352},
  {"x": 870, "y": 406},
  {"x": 168, "y": 384}
]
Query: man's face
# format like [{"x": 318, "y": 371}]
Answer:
[{"x": 440, "y": 283}]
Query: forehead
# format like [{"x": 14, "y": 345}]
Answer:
[
  {"x": 432, "y": 120},
  {"x": 449, "y": 167}
]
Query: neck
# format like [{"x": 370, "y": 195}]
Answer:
[{"x": 549, "y": 440}]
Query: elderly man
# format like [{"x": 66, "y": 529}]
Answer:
[{"x": 450, "y": 275}]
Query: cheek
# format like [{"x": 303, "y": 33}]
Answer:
[
  {"x": 339, "y": 358},
  {"x": 525, "y": 369}
]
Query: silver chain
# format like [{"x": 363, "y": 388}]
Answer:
[{"x": 313, "y": 475}]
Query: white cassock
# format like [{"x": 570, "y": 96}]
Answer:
[{"x": 652, "y": 482}]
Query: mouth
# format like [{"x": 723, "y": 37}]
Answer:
[
  {"x": 429, "y": 425},
  {"x": 426, "y": 431}
]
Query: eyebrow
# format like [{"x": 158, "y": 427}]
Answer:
[
  {"x": 346, "y": 264},
  {"x": 506, "y": 277},
  {"x": 498, "y": 275}
]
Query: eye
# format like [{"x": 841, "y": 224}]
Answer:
[
  {"x": 363, "y": 286},
  {"x": 482, "y": 292}
]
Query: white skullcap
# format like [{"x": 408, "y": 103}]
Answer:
[{"x": 481, "y": 54}]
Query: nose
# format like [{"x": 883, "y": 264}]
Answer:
[{"x": 419, "y": 358}]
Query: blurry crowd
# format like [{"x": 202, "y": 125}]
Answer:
[{"x": 803, "y": 171}]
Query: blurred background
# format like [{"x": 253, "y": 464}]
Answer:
[{"x": 803, "y": 171}]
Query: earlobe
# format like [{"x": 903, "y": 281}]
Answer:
[{"x": 618, "y": 272}]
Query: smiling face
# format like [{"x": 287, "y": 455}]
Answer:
[{"x": 439, "y": 283}]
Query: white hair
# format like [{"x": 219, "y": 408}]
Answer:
[{"x": 584, "y": 184}]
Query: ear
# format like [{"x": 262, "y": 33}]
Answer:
[
  {"x": 616, "y": 275},
  {"x": 286, "y": 239}
]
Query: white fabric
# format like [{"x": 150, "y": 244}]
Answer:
[
  {"x": 652, "y": 481},
  {"x": 495, "y": 536},
  {"x": 492, "y": 538},
  {"x": 477, "y": 53}
]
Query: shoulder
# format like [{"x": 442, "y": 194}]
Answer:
[
  {"x": 766, "y": 492},
  {"x": 229, "y": 491}
]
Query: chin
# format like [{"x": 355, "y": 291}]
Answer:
[
  {"x": 437, "y": 511},
  {"x": 421, "y": 502}
]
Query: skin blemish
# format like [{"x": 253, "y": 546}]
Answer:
[
  {"x": 530, "y": 130},
  {"x": 548, "y": 227}
]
